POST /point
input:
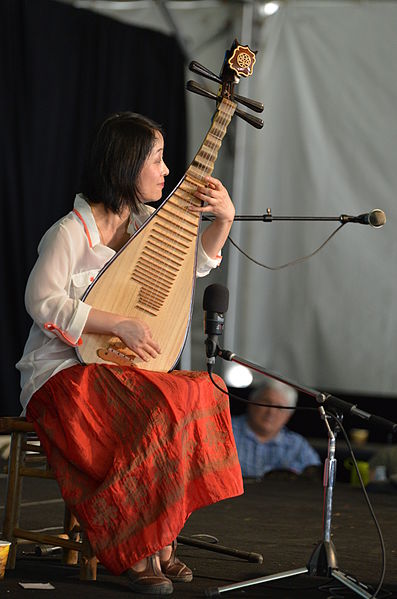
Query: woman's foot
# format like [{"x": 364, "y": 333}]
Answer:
[
  {"x": 172, "y": 567},
  {"x": 146, "y": 577}
]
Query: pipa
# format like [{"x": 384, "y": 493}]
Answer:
[{"x": 152, "y": 277}]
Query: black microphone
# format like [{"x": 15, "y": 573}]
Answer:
[
  {"x": 375, "y": 218},
  {"x": 215, "y": 304}
]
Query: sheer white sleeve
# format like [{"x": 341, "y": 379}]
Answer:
[
  {"x": 204, "y": 263},
  {"x": 50, "y": 297}
]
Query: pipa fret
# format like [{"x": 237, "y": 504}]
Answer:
[
  {"x": 165, "y": 234},
  {"x": 145, "y": 275},
  {"x": 177, "y": 223},
  {"x": 168, "y": 245},
  {"x": 166, "y": 267},
  {"x": 157, "y": 269},
  {"x": 168, "y": 227}
]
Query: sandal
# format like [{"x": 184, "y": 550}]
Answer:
[
  {"x": 151, "y": 580},
  {"x": 174, "y": 569}
]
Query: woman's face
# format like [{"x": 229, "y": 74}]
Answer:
[{"x": 153, "y": 173}]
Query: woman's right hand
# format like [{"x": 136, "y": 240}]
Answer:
[
  {"x": 134, "y": 333},
  {"x": 137, "y": 335}
]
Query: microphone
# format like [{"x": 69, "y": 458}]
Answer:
[
  {"x": 375, "y": 218},
  {"x": 215, "y": 304}
]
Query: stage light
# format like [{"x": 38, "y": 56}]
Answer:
[
  {"x": 237, "y": 376},
  {"x": 270, "y": 8}
]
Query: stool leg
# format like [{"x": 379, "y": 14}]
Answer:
[
  {"x": 13, "y": 501},
  {"x": 71, "y": 527},
  {"x": 88, "y": 563}
]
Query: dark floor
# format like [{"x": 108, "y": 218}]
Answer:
[{"x": 280, "y": 519}]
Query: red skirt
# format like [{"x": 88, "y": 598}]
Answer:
[{"x": 135, "y": 452}]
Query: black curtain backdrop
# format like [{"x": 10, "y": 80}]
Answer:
[{"x": 62, "y": 70}]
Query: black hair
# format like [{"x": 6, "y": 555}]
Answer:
[{"x": 115, "y": 160}]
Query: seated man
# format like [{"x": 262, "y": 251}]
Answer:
[{"x": 264, "y": 443}]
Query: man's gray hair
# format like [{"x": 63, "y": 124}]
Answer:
[{"x": 290, "y": 394}]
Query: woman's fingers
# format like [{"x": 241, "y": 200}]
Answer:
[
  {"x": 147, "y": 348},
  {"x": 146, "y": 351},
  {"x": 216, "y": 200},
  {"x": 138, "y": 337},
  {"x": 210, "y": 190},
  {"x": 152, "y": 348}
]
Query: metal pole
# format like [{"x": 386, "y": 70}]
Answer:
[{"x": 238, "y": 186}]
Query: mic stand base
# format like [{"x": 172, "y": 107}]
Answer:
[
  {"x": 323, "y": 561},
  {"x": 337, "y": 574}
]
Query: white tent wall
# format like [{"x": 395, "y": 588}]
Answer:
[{"x": 326, "y": 72}]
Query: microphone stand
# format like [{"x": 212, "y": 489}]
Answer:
[
  {"x": 268, "y": 217},
  {"x": 375, "y": 218},
  {"x": 323, "y": 561}
]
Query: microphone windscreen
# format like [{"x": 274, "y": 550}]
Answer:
[
  {"x": 216, "y": 298},
  {"x": 377, "y": 218}
]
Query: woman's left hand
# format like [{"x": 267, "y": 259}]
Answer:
[{"x": 217, "y": 201}]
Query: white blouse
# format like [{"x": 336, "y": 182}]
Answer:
[{"x": 70, "y": 256}]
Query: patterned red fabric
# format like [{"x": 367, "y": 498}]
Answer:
[{"x": 135, "y": 452}]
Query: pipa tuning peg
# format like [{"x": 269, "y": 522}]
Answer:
[
  {"x": 199, "y": 69},
  {"x": 253, "y": 104},
  {"x": 250, "y": 118},
  {"x": 194, "y": 87}
]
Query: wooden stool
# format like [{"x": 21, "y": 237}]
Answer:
[{"x": 23, "y": 440}]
